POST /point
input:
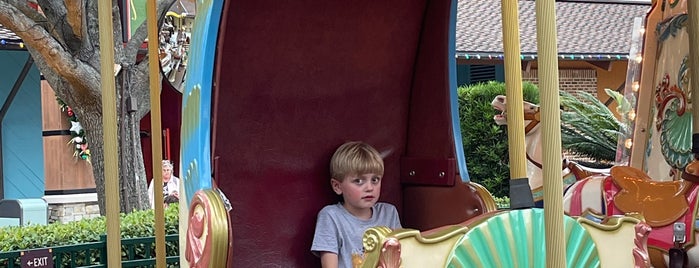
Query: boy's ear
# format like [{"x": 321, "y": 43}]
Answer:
[{"x": 336, "y": 186}]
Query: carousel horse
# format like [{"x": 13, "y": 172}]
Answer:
[
  {"x": 669, "y": 207},
  {"x": 570, "y": 171}
]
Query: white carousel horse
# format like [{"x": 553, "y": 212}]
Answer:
[
  {"x": 570, "y": 171},
  {"x": 663, "y": 205}
]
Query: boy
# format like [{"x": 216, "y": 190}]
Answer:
[{"x": 356, "y": 169}]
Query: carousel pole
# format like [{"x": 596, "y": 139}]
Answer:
[
  {"x": 109, "y": 122},
  {"x": 520, "y": 193},
  {"x": 551, "y": 130},
  {"x": 692, "y": 169},
  {"x": 156, "y": 128}
]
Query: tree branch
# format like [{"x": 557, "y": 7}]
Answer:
[
  {"x": 58, "y": 23},
  {"x": 117, "y": 33},
  {"x": 141, "y": 76},
  {"x": 23, "y": 6},
  {"x": 33, "y": 35}
]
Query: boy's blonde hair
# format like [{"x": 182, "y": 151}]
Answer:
[{"x": 355, "y": 158}]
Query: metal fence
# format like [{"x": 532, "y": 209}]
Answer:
[{"x": 136, "y": 252}]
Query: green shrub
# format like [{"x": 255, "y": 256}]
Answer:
[
  {"x": 485, "y": 143},
  {"x": 133, "y": 225},
  {"x": 502, "y": 202}
]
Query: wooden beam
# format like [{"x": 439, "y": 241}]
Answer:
[{"x": 604, "y": 65}]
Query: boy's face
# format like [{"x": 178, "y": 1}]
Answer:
[{"x": 360, "y": 192}]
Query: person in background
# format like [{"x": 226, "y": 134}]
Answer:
[
  {"x": 356, "y": 171},
  {"x": 170, "y": 188}
]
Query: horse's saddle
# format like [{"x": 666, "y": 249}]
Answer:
[
  {"x": 581, "y": 171},
  {"x": 660, "y": 203}
]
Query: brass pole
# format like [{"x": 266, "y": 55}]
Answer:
[
  {"x": 156, "y": 129},
  {"x": 520, "y": 193},
  {"x": 551, "y": 129},
  {"x": 109, "y": 122}
]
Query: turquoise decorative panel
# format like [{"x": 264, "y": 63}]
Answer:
[
  {"x": 22, "y": 141},
  {"x": 517, "y": 239}
]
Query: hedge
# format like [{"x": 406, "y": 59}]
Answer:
[{"x": 133, "y": 225}]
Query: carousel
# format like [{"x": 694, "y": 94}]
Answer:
[{"x": 273, "y": 88}]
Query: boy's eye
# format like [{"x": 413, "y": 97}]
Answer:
[
  {"x": 358, "y": 181},
  {"x": 375, "y": 180}
]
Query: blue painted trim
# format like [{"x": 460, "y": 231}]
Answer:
[
  {"x": 454, "y": 96},
  {"x": 197, "y": 100}
]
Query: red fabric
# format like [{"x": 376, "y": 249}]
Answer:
[
  {"x": 576, "y": 200},
  {"x": 610, "y": 189},
  {"x": 170, "y": 119}
]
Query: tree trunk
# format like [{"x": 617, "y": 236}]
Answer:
[
  {"x": 132, "y": 177},
  {"x": 63, "y": 40}
]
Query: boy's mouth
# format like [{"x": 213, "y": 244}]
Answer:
[{"x": 368, "y": 197}]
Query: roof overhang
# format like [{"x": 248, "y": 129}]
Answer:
[
  {"x": 534, "y": 56},
  {"x": 633, "y": 2}
]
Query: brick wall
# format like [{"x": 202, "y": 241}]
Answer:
[
  {"x": 64, "y": 213},
  {"x": 570, "y": 80}
]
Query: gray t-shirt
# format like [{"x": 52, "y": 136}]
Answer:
[{"x": 340, "y": 232}]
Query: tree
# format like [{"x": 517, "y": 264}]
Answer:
[
  {"x": 63, "y": 39},
  {"x": 589, "y": 129}
]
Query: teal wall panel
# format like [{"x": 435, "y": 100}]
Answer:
[
  {"x": 500, "y": 73},
  {"x": 22, "y": 141},
  {"x": 464, "y": 74}
]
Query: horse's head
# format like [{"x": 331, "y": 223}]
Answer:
[{"x": 531, "y": 110}]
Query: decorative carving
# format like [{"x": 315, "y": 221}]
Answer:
[
  {"x": 207, "y": 230},
  {"x": 198, "y": 251},
  {"x": 640, "y": 252},
  {"x": 372, "y": 237},
  {"x": 664, "y": 94},
  {"x": 389, "y": 243},
  {"x": 390, "y": 254}
]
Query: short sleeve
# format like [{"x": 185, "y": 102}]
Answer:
[
  {"x": 395, "y": 219},
  {"x": 326, "y": 237}
]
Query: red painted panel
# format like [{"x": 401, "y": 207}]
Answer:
[
  {"x": 171, "y": 119},
  {"x": 428, "y": 171}
]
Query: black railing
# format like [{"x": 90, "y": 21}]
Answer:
[{"x": 136, "y": 252}]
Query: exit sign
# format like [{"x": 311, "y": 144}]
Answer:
[{"x": 37, "y": 258}]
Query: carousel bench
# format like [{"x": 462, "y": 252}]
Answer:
[{"x": 509, "y": 238}]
